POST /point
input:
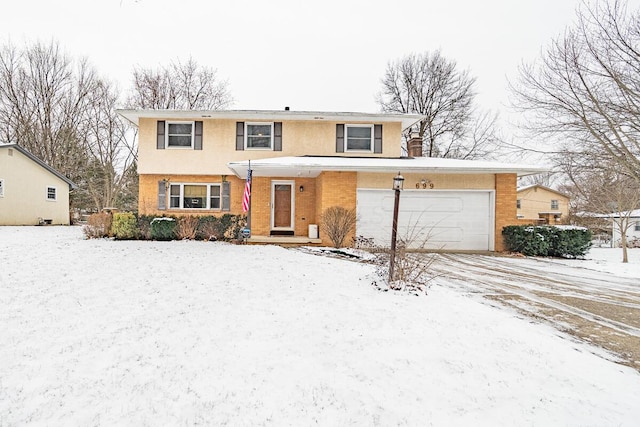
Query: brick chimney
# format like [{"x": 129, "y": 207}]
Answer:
[{"x": 414, "y": 145}]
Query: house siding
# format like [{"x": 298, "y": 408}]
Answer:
[
  {"x": 26, "y": 182},
  {"x": 536, "y": 200},
  {"x": 299, "y": 138}
]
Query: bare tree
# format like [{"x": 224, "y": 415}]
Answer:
[
  {"x": 432, "y": 85},
  {"x": 43, "y": 97},
  {"x": 585, "y": 92},
  {"x": 186, "y": 86},
  {"x": 60, "y": 111}
]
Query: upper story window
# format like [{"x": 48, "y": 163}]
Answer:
[
  {"x": 259, "y": 136},
  {"x": 554, "y": 204},
  {"x": 359, "y": 138},
  {"x": 51, "y": 193},
  {"x": 179, "y": 135}
]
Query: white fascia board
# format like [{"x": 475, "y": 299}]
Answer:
[
  {"x": 134, "y": 116},
  {"x": 313, "y": 166}
]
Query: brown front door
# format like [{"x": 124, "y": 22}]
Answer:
[{"x": 282, "y": 206}]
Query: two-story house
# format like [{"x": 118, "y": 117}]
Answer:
[
  {"x": 196, "y": 162},
  {"x": 542, "y": 204}
]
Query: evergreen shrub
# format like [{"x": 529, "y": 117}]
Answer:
[
  {"x": 163, "y": 228},
  {"x": 124, "y": 226},
  {"x": 556, "y": 241}
]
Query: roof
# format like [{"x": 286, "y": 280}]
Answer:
[
  {"x": 528, "y": 187},
  {"x": 24, "y": 151},
  {"x": 625, "y": 214},
  {"x": 312, "y": 166},
  {"x": 134, "y": 116}
]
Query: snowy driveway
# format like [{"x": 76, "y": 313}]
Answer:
[{"x": 599, "y": 307}]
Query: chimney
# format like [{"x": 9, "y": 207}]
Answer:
[{"x": 414, "y": 145}]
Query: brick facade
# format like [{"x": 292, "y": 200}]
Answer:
[
  {"x": 335, "y": 189},
  {"x": 506, "y": 196}
]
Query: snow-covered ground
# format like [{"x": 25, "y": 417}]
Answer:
[{"x": 100, "y": 332}]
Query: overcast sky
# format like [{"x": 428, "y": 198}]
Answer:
[{"x": 322, "y": 56}]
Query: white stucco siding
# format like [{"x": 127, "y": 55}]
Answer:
[{"x": 24, "y": 200}]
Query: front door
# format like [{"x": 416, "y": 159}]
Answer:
[{"x": 282, "y": 205}]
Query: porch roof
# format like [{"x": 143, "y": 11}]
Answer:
[{"x": 312, "y": 166}]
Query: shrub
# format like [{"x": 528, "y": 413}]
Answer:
[
  {"x": 337, "y": 222},
  {"x": 124, "y": 226},
  {"x": 144, "y": 226},
  {"x": 98, "y": 225},
  {"x": 163, "y": 228},
  {"x": 557, "y": 241},
  {"x": 186, "y": 227},
  {"x": 225, "y": 227}
]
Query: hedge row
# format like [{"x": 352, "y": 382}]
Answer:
[
  {"x": 128, "y": 226},
  {"x": 554, "y": 241}
]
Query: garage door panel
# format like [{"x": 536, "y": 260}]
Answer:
[{"x": 456, "y": 220}]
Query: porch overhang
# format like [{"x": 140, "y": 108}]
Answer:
[{"x": 312, "y": 166}]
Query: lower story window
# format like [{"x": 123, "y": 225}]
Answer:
[
  {"x": 51, "y": 193},
  {"x": 637, "y": 226},
  {"x": 194, "y": 196}
]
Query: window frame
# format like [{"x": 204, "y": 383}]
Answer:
[
  {"x": 637, "y": 226},
  {"x": 167, "y": 135},
  {"x": 518, "y": 203},
  {"x": 48, "y": 193},
  {"x": 1, "y": 187},
  {"x": 181, "y": 196},
  {"x": 246, "y": 135},
  {"x": 359, "y": 150},
  {"x": 555, "y": 204}
]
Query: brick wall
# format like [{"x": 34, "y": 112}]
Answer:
[
  {"x": 335, "y": 189},
  {"x": 148, "y": 194},
  {"x": 506, "y": 196}
]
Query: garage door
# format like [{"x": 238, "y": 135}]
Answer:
[{"x": 448, "y": 220}]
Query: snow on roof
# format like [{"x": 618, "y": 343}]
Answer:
[
  {"x": 625, "y": 214},
  {"x": 312, "y": 166},
  {"x": 407, "y": 120}
]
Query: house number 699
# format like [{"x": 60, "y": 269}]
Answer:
[{"x": 424, "y": 185}]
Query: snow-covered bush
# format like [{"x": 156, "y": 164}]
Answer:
[
  {"x": 556, "y": 241},
  {"x": 163, "y": 228}
]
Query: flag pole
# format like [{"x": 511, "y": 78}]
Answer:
[{"x": 250, "y": 185}]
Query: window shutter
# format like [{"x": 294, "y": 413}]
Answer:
[
  {"x": 277, "y": 136},
  {"x": 226, "y": 196},
  {"x": 197, "y": 142},
  {"x": 339, "y": 138},
  {"x": 160, "y": 140},
  {"x": 239, "y": 136},
  {"x": 377, "y": 138},
  {"x": 162, "y": 196}
]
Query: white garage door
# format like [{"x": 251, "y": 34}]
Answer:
[{"x": 448, "y": 220}]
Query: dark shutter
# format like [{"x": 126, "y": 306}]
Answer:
[
  {"x": 197, "y": 142},
  {"x": 377, "y": 138},
  {"x": 339, "y": 138},
  {"x": 226, "y": 196},
  {"x": 239, "y": 135},
  {"x": 160, "y": 137},
  {"x": 277, "y": 136},
  {"x": 162, "y": 195}
]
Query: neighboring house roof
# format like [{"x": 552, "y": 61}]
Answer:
[
  {"x": 625, "y": 214},
  {"x": 134, "y": 116},
  {"x": 24, "y": 151},
  {"x": 311, "y": 166},
  {"x": 520, "y": 189}
]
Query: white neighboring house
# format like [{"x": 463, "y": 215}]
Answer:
[
  {"x": 628, "y": 219},
  {"x": 31, "y": 192}
]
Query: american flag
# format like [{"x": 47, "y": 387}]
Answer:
[{"x": 246, "y": 196}]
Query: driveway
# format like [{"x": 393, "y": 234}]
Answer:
[{"x": 592, "y": 306}]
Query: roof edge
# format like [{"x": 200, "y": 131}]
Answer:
[{"x": 72, "y": 185}]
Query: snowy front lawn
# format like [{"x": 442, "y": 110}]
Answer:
[{"x": 99, "y": 332}]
